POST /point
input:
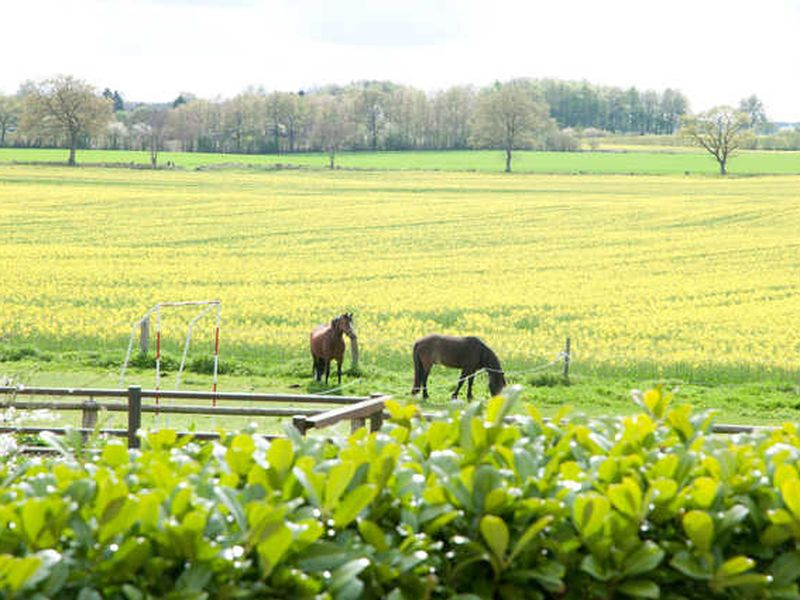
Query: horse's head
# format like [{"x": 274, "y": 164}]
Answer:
[
  {"x": 497, "y": 382},
  {"x": 344, "y": 324}
]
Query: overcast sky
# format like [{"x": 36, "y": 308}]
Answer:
[{"x": 715, "y": 51}]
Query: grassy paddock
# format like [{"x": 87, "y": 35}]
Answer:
[{"x": 619, "y": 157}]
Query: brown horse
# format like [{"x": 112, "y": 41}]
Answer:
[
  {"x": 466, "y": 353},
  {"x": 327, "y": 344}
]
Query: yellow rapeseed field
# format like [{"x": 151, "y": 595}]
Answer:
[{"x": 635, "y": 269}]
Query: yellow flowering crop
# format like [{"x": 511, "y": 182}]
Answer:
[{"x": 635, "y": 269}]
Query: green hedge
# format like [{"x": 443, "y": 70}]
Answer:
[{"x": 474, "y": 506}]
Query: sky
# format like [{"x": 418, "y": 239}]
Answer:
[{"x": 714, "y": 51}]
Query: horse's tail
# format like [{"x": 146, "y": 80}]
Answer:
[{"x": 417, "y": 370}]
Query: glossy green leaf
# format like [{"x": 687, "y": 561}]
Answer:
[
  {"x": 689, "y": 565},
  {"x": 735, "y": 566},
  {"x": 345, "y": 584},
  {"x": 353, "y": 503},
  {"x": 699, "y": 527},
  {"x": 704, "y": 491},
  {"x": 373, "y": 534},
  {"x": 640, "y": 588},
  {"x": 657, "y": 401},
  {"x": 745, "y": 580},
  {"x": 626, "y": 497},
  {"x": 495, "y": 532},
  {"x": 594, "y": 567},
  {"x": 339, "y": 478},
  {"x": 589, "y": 513},
  {"x": 280, "y": 455},
  {"x": 495, "y": 500},
  {"x": 274, "y": 544},
  {"x": 790, "y": 491},
  {"x": 16, "y": 572},
  {"x": 785, "y": 569},
  {"x": 114, "y": 454},
  {"x": 646, "y": 557},
  {"x": 530, "y": 534}
]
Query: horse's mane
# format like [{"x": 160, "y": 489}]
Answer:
[{"x": 489, "y": 359}]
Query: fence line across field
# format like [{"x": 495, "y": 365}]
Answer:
[{"x": 355, "y": 409}]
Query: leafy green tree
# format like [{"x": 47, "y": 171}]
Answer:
[
  {"x": 509, "y": 117},
  {"x": 116, "y": 98},
  {"x": 64, "y": 108},
  {"x": 721, "y": 131},
  {"x": 754, "y": 109}
]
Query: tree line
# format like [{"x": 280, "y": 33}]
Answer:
[{"x": 370, "y": 115}]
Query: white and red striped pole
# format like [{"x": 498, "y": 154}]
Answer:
[
  {"x": 158, "y": 351},
  {"x": 216, "y": 353}
]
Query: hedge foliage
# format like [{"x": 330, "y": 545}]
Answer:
[{"x": 474, "y": 506}]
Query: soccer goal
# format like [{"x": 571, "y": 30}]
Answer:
[{"x": 143, "y": 326}]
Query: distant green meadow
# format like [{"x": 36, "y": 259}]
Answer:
[{"x": 664, "y": 162}]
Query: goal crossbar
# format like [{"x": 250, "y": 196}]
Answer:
[{"x": 208, "y": 305}]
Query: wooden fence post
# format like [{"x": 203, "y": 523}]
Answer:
[
  {"x": 300, "y": 424},
  {"x": 356, "y": 424},
  {"x": 376, "y": 420},
  {"x": 134, "y": 415},
  {"x": 566, "y": 360},
  {"x": 89, "y": 416},
  {"x": 144, "y": 335}
]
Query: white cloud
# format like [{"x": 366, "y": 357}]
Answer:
[{"x": 715, "y": 51}]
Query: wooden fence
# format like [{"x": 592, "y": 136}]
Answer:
[{"x": 355, "y": 409}]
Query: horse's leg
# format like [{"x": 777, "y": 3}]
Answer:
[
  {"x": 461, "y": 379},
  {"x": 469, "y": 385},
  {"x": 424, "y": 381},
  {"x": 327, "y": 369},
  {"x": 417, "y": 374},
  {"x": 339, "y": 370},
  {"x": 320, "y": 368}
]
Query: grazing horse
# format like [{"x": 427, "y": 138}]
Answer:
[
  {"x": 466, "y": 353},
  {"x": 327, "y": 344}
]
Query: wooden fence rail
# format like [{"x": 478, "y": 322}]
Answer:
[
  {"x": 355, "y": 409},
  {"x": 350, "y": 408}
]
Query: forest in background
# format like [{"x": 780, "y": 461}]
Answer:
[{"x": 373, "y": 115}]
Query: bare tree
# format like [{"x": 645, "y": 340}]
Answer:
[
  {"x": 242, "y": 118},
  {"x": 452, "y": 114},
  {"x": 151, "y": 123},
  {"x": 334, "y": 125},
  {"x": 66, "y": 109},
  {"x": 721, "y": 131},
  {"x": 9, "y": 115},
  {"x": 508, "y": 116}
]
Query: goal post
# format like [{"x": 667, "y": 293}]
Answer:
[{"x": 206, "y": 307}]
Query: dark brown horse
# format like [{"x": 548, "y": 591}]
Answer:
[
  {"x": 466, "y": 353},
  {"x": 327, "y": 344}
]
